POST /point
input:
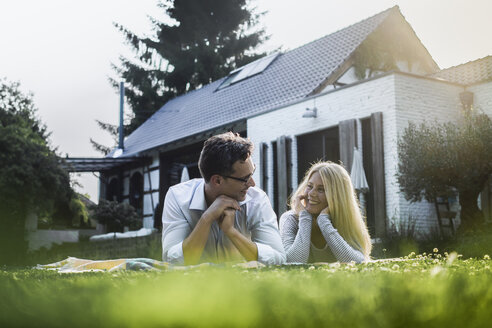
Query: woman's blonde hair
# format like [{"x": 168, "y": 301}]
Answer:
[{"x": 342, "y": 204}]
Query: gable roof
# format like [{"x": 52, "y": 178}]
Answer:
[
  {"x": 473, "y": 72},
  {"x": 290, "y": 77}
]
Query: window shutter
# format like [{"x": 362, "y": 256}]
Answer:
[
  {"x": 347, "y": 134},
  {"x": 263, "y": 149},
  {"x": 283, "y": 172},
  {"x": 378, "y": 173}
]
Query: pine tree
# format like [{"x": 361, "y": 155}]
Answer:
[{"x": 201, "y": 41}]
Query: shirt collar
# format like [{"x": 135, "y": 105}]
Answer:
[
  {"x": 198, "y": 201},
  {"x": 247, "y": 199}
]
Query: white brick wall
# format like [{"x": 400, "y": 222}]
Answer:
[
  {"x": 482, "y": 97},
  {"x": 421, "y": 100}
]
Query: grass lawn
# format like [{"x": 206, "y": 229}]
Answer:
[{"x": 419, "y": 291}]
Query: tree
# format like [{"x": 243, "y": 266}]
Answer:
[
  {"x": 196, "y": 43},
  {"x": 116, "y": 215},
  {"x": 443, "y": 158},
  {"x": 31, "y": 179}
]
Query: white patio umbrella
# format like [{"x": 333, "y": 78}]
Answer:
[
  {"x": 358, "y": 177},
  {"x": 185, "y": 176},
  {"x": 357, "y": 173}
]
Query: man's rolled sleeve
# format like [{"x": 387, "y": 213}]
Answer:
[
  {"x": 267, "y": 255},
  {"x": 265, "y": 234},
  {"x": 175, "y": 254},
  {"x": 175, "y": 228}
]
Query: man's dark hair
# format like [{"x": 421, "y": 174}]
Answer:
[{"x": 220, "y": 152}]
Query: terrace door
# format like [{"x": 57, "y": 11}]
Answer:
[{"x": 317, "y": 146}]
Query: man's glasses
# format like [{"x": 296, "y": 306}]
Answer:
[{"x": 243, "y": 180}]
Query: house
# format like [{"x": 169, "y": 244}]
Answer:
[{"x": 318, "y": 101}]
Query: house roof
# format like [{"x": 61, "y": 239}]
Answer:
[
  {"x": 291, "y": 76},
  {"x": 473, "y": 72}
]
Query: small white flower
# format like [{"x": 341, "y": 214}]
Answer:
[
  {"x": 436, "y": 270},
  {"x": 453, "y": 256},
  {"x": 335, "y": 265}
]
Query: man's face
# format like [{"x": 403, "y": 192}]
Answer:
[{"x": 238, "y": 182}]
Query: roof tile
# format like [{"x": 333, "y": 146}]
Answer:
[{"x": 473, "y": 72}]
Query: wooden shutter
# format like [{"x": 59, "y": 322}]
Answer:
[
  {"x": 283, "y": 172},
  {"x": 379, "y": 188},
  {"x": 263, "y": 149},
  {"x": 348, "y": 135}
]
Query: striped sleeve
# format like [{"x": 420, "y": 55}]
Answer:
[
  {"x": 296, "y": 236},
  {"x": 339, "y": 247}
]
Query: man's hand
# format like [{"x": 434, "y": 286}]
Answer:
[
  {"x": 226, "y": 222},
  {"x": 246, "y": 247},
  {"x": 219, "y": 206},
  {"x": 194, "y": 244}
]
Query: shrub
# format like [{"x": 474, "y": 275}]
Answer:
[
  {"x": 116, "y": 216},
  {"x": 441, "y": 158}
]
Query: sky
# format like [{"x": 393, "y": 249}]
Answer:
[{"x": 62, "y": 50}]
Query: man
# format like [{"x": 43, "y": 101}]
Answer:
[{"x": 223, "y": 216}]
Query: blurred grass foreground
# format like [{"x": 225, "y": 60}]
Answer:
[{"x": 434, "y": 290}]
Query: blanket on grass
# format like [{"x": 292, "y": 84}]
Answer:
[{"x": 73, "y": 264}]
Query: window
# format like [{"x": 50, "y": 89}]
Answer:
[
  {"x": 137, "y": 191},
  {"x": 248, "y": 70},
  {"x": 112, "y": 193}
]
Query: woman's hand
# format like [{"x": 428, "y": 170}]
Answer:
[
  {"x": 326, "y": 210},
  {"x": 301, "y": 199}
]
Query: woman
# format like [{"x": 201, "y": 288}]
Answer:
[{"x": 325, "y": 223}]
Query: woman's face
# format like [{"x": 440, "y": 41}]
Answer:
[{"x": 315, "y": 195}]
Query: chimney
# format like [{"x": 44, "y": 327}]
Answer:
[{"x": 122, "y": 101}]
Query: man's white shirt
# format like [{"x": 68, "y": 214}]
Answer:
[{"x": 184, "y": 205}]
